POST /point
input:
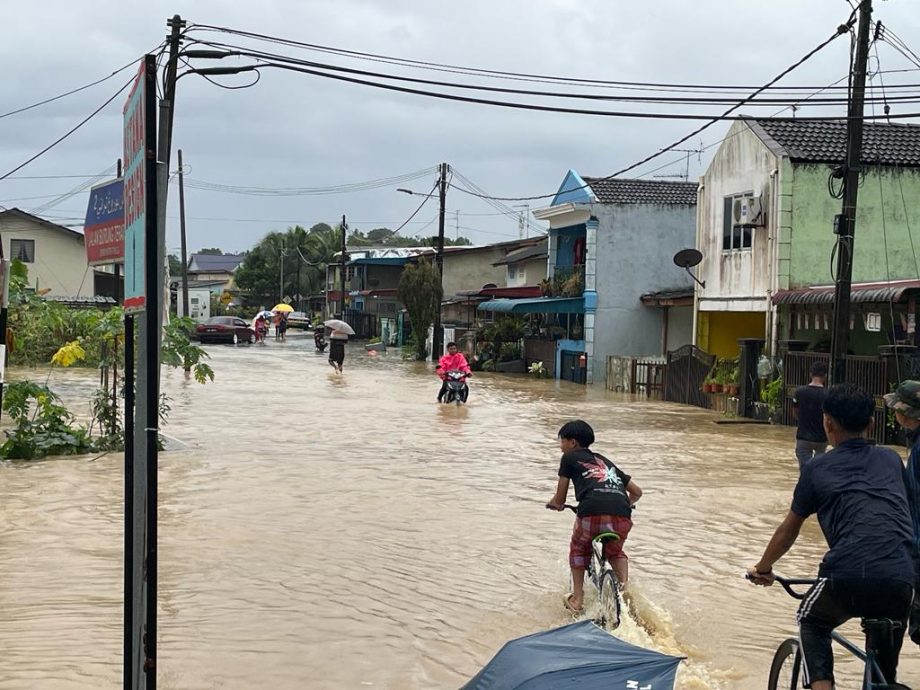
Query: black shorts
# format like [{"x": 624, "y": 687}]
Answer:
[
  {"x": 832, "y": 602},
  {"x": 337, "y": 352}
]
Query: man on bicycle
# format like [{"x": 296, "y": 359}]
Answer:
[
  {"x": 857, "y": 491},
  {"x": 605, "y": 497}
]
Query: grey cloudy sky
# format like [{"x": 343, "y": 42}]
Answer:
[{"x": 294, "y": 130}]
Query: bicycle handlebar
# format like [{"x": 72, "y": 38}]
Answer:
[{"x": 788, "y": 584}]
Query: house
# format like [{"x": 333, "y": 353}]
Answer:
[
  {"x": 371, "y": 282},
  {"x": 611, "y": 241},
  {"x": 502, "y": 270},
  {"x": 55, "y": 255},
  {"x": 765, "y": 229},
  {"x": 213, "y": 271}
]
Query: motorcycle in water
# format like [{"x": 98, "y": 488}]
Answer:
[
  {"x": 319, "y": 340},
  {"x": 457, "y": 390}
]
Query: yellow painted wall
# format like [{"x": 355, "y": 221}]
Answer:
[{"x": 718, "y": 331}]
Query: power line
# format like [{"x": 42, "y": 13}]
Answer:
[
  {"x": 472, "y": 71},
  {"x": 840, "y": 31},
  {"x": 71, "y": 131},
  {"x": 273, "y": 59},
  {"x": 133, "y": 63}
]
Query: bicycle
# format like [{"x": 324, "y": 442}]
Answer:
[
  {"x": 785, "y": 670},
  {"x": 602, "y": 575}
]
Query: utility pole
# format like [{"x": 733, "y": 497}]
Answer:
[
  {"x": 457, "y": 224},
  {"x": 439, "y": 262},
  {"x": 185, "y": 311},
  {"x": 281, "y": 281},
  {"x": 342, "y": 267},
  {"x": 845, "y": 222}
]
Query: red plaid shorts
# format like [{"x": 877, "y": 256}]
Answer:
[{"x": 588, "y": 527}]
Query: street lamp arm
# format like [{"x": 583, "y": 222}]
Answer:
[{"x": 209, "y": 54}]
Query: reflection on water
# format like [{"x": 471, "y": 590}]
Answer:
[{"x": 330, "y": 531}]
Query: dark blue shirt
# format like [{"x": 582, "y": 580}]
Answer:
[{"x": 857, "y": 490}]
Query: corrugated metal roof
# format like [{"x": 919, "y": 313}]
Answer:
[
  {"x": 540, "y": 305},
  {"x": 895, "y": 291}
]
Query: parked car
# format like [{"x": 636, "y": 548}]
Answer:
[
  {"x": 299, "y": 319},
  {"x": 229, "y": 329}
]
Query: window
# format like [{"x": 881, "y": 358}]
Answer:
[
  {"x": 734, "y": 237},
  {"x": 521, "y": 273},
  {"x": 24, "y": 250},
  {"x": 511, "y": 272}
]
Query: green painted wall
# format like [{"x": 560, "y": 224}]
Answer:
[{"x": 812, "y": 218}]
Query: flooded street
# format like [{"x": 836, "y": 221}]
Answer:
[{"x": 324, "y": 531}]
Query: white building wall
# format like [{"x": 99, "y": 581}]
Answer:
[
  {"x": 736, "y": 280},
  {"x": 60, "y": 257}
]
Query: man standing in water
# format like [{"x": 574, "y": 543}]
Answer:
[
  {"x": 337, "y": 340},
  {"x": 857, "y": 491},
  {"x": 810, "y": 439}
]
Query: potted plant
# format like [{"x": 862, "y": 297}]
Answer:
[
  {"x": 733, "y": 384},
  {"x": 708, "y": 385}
]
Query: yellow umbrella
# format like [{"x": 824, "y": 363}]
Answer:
[{"x": 282, "y": 307}]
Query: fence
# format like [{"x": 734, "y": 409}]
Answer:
[
  {"x": 687, "y": 368},
  {"x": 869, "y": 373},
  {"x": 365, "y": 325}
]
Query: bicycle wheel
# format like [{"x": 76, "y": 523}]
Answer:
[
  {"x": 608, "y": 601},
  {"x": 786, "y": 667}
]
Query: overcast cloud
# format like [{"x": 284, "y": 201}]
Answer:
[{"x": 293, "y": 130}]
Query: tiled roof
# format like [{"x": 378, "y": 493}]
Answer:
[
  {"x": 617, "y": 191},
  {"x": 808, "y": 141}
]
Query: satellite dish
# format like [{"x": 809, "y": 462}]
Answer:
[{"x": 688, "y": 258}]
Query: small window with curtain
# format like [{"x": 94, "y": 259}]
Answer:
[{"x": 24, "y": 250}]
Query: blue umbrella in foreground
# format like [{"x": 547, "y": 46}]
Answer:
[{"x": 580, "y": 655}]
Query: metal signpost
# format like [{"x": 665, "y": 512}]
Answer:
[{"x": 140, "y": 214}]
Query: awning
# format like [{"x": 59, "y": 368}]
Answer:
[
  {"x": 540, "y": 305},
  {"x": 895, "y": 291}
]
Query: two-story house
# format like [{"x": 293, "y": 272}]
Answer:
[
  {"x": 765, "y": 228},
  {"x": 611, "y": 241}
]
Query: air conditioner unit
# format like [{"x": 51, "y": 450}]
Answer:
[{"x": 748, "y": 211}]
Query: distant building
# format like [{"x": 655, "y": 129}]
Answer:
[{"x": 214, "y": 272}]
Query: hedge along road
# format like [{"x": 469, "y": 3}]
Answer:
[{"x": 325, "y": 532}]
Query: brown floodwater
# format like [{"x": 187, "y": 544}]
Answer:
[{"x": 325, "y": 531}]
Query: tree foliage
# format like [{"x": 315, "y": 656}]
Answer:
[
  {"x": 213, "y": 251},
  {"x": 304, "y": 255},
  {"x": 420, "y": 291},
  {"x": 384, "y": 237}
]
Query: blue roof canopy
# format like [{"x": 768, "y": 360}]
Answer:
[
  {"x": 580, "y": 655},
  {"x": 536, "y": 305}
]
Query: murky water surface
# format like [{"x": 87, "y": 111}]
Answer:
[{"x": 327, "y": 531}]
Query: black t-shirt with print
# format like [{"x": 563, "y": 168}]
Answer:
[{"x": 600, "y": 486}]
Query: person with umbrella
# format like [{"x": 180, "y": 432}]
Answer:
[{"x": 337, "y": 340}]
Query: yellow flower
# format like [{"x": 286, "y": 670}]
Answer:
[{"x": 68, "y": 354}]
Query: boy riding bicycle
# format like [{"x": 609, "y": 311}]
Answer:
[{"x": 605, "y": 497}]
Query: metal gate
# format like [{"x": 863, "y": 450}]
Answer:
[
  {"x": 869, "y": 373},
  {"x": 687, "y": 368}
]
